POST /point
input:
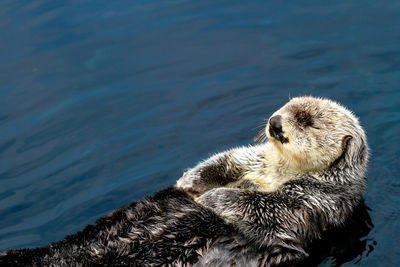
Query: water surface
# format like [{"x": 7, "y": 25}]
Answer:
[{"x": 103, "y": 102}]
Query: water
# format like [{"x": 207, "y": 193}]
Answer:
[{"x": 103, "y": 102}]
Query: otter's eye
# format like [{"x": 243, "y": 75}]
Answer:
[{"x": 304, "y": 118}]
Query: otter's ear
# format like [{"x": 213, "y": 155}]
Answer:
[{"x": 345, "y": 141}]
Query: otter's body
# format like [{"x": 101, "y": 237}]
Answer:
[
  {"x": 281, "y": 195},
  {"x": 257, "y": 205}
]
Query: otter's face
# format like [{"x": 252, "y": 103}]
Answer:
[{"x": 311, "y": 133}]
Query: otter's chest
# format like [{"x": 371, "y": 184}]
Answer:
[{"x": 267, "y": 180}]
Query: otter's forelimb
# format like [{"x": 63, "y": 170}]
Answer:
[{"x": 223, "y": 168}]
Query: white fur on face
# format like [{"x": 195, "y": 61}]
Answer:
[{"x": 315, "y": 128}]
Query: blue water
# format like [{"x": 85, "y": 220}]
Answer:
[{"x": 105, "y": 102}]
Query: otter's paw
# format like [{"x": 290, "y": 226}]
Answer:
[
  {"x": 186, "y": 181},
  {"x": 218, "y": 199}
]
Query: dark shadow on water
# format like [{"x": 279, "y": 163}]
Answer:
[{"x": 344, "y": 244}]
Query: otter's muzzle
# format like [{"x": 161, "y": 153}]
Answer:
[{"x": 275, "y": 129}]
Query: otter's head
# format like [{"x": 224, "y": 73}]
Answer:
[{"x": 313, "y": 134}]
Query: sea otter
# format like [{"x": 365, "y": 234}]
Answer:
[
  {"x": 284, "y": 193},
  {"x": 252, "y": 206}
]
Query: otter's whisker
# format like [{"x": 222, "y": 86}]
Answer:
[{"x": 261, "y": 137}]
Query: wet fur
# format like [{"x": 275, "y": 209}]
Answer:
[
  {"x": 255, "y": 206},
  {"x": 167, "y": 228},
  {"x": 284, "y": 194}
]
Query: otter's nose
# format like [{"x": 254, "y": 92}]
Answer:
[{"x": 275, "y": 125}]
